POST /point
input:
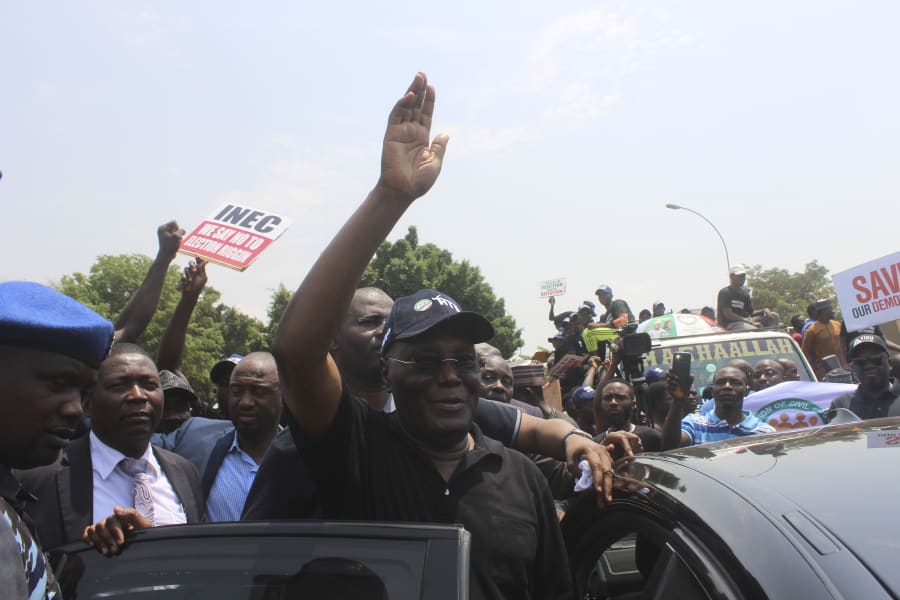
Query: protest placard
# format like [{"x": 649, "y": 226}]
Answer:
[
  {"x": 562, "y": 365},
  {"x": 553, "y": 287},
  {"x": 869, "y": 294},
  {"x": 553, "y": 394},
  {"x": 234, "y": 236}
]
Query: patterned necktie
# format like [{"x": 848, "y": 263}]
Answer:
[{"x": 143, "y": 499}]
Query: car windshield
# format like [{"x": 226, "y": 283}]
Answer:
[{"x": 707, "y": 354}]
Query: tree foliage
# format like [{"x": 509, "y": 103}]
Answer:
[
  {"x": 280, "y": 298},
  {"x": 405, "y": 266},
  {"x": 787, "y": 293},
  {"x": 215, "y": 329}
]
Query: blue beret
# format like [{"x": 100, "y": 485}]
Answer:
[{"x": 40, "y": 318}]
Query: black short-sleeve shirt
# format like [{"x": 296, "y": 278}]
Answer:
[
  {"x": 617, "y": 308},
  {"x": 366, "y": 467},
  {"x": 737, "y": 300}
]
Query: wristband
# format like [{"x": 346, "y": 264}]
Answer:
[{"x": 575, "y": 431}]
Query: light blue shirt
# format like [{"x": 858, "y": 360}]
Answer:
[
  {"x": 708, "y": 427},
  {"x": 233, "y": 480}
]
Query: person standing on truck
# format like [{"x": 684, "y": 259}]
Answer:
[{"x": 823, "y": 338}]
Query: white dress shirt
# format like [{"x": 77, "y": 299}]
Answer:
[{"x": 114, "y": 487}]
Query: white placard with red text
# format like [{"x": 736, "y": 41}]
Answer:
[
  {"x": 869, "y": 294},
  {"x": 234, "y": 236},
  {"x": 553, "y": 287}
]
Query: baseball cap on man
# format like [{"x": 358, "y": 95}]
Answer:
[
  {"x": 738, "y": 269},
  {"x": 588, "y": 306},
  {"x": 603, "y": 289},
  {"x": 866, "y": 340},
  {"x": 654, "y": 374},
  {"x": 582, "y": 396},
  {"x": 413, "y": 315},
  {"x": 173, "y": 383},
  {"x": 224, "y": 367},
  {"x": 37, "y": 317}
]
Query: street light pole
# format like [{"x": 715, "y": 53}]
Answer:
[{"x": 727, "y": 260}]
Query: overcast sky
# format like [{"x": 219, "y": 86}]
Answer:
[{"x": 571, "y": 126}]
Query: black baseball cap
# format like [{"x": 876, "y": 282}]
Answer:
[
  {"x": 222, "y": 369},
  {"x": 176, "y": 384},
  {"x": 418, "y": 313},
  {"x": 866, "y": 340}
]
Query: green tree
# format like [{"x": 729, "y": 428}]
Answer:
[
  {"x": 215, "y": 329},
  {"x": 280, "y": 298},
  {"x": 406, "y": 266},
  {"x": 787, "y": 293}
]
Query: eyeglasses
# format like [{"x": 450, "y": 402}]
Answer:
[
  {"x": 464, "y": 364},
  {"x": 874, "y": 361}
]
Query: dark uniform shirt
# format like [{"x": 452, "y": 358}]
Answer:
[
  {"x": 872, "y": 406},
  {"x": 367, "y": 467}
]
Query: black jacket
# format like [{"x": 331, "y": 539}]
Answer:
[{"x": 65, "y": 492}]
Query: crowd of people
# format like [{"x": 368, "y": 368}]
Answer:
[{"x": 366, "y": 407}]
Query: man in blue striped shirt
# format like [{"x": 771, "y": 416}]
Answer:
[
  {"x": 726, "y": 421},
  {"x": 254, "y": 406}
]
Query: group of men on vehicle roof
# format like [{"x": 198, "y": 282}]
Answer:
[{"x": 380, "y": 398}]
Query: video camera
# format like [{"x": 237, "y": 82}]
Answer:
[
  {"x": 634, "y": 347},
  {"x": 630, "y": 345}
]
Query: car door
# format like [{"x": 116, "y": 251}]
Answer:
[
  {"x": 627, "y": 552},
  {"x": 271, "y": 561}
]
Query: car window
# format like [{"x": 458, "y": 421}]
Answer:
[
  {"x": 708, "y": 355},
  {"x": 630, "y": 555},
  {"x": 251, "y": 567}
]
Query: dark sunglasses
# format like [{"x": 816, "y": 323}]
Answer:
[{"x": 432, "y": 366}]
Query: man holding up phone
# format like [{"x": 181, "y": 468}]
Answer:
[{"x": 728, "y": 420}]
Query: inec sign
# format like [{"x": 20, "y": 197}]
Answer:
[
  {"x": 234, "y": 236},
  {"x": 869, "y": 294}
]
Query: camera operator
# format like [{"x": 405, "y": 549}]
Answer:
[{"x": 568, "y": 338}]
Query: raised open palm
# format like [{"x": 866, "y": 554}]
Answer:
[{"x": 409, "y": 165}]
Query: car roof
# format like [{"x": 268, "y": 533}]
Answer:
[
  {"x": 838, "y": 479},
  {"x": 720, "y": 336}
]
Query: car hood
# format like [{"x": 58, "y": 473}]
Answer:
[{"x": 839, "y": 478}]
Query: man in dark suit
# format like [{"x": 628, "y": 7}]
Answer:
[
  {"x": 114, "y": 476},
  {"x": 255, "y": 408}
]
